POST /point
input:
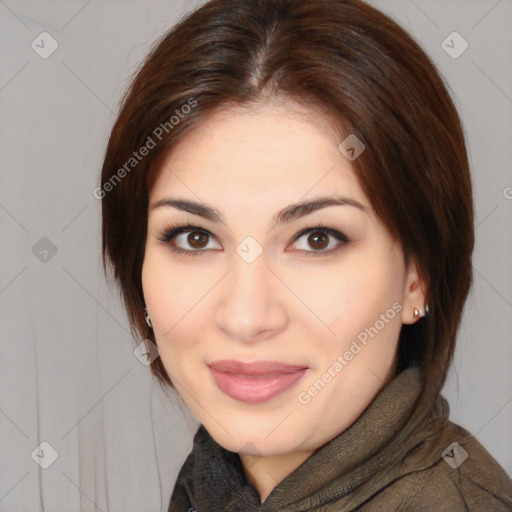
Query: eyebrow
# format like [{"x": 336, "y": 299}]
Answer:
[{"x": 288, "y": 214}]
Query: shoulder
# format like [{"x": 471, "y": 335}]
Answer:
[
  {"x": 460, "y": 475},
  {"x": 442, "y": 491}
]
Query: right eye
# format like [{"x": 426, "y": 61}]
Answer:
[{"x": 182, "y": 235}]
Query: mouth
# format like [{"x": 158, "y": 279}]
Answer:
[{"x": 255, "y": 382}]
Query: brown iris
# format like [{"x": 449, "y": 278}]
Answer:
[
  {"x": 318, "y": 240},
  {"x": 196, "y": 239}
]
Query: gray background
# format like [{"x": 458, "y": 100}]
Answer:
[{"x": 68, "y": 375}]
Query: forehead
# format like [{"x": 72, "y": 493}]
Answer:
[{"x": 271, "y": 152}]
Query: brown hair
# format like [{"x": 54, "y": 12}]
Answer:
[{"x": 375, "y": 81}]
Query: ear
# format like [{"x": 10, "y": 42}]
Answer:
[{"x": 414, "y": 294}]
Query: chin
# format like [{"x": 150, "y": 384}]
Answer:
[{"x": 256, "y": 438}]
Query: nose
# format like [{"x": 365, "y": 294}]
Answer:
[{"x": 250, "y": 306}]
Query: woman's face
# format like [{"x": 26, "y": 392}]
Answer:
[{"x": 256, "y": 286}]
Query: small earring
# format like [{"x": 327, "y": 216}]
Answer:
[
  {"x": 148, "y": 321},
  {"x": 426, "y": 308},
  {"x": 416, "y": 312}
]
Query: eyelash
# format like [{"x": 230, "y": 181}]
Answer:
[{"x": 173, "y": 230}]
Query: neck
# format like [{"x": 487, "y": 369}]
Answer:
[{"x": 264, "y": 473}]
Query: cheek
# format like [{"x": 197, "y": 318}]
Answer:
[
  {"x": 172, "y": 292},
  {"x": 175, "y": 298},
  {"x": 340, "y": 295},
  {"x": 345, "y": 299}
]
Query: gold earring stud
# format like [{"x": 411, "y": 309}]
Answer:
[{"x": 416, "y": 312}]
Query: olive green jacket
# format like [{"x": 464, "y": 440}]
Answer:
[{"x": 387, "y": 461}]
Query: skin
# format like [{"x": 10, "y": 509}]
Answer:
[{"x": 285, "y": 306}]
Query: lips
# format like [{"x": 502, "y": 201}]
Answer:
[
  {"x": 256, "y": 368},
  {"x": 255, "y": 382}
]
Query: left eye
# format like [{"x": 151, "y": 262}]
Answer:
[{"x": 320, "y": 240}]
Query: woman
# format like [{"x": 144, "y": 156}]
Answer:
[{"x": 287, "y": 206}]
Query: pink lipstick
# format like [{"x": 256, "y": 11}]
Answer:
[{"x": 255, "y": 382}]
